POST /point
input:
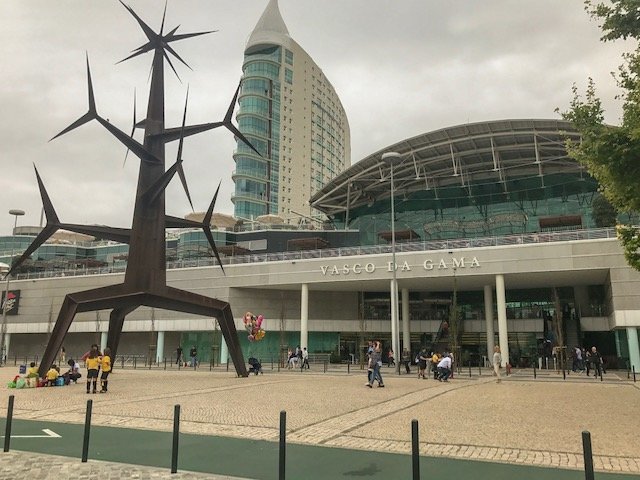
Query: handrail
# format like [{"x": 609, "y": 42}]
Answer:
[{"x": 424, "y": 245}]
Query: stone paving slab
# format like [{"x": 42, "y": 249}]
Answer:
[
  {"x": 18, "y": 465},
  {"x": 519, "y": 421}
]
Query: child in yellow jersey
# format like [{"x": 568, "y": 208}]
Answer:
[
  {"x": 33, "y": 370},
  {"x": 93, "y": 363},
  {"x": 52, "y": 375},
  {"x": 105, "y": 364}
]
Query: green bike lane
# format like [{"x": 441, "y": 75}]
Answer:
[{"x": 258, "y": 459}]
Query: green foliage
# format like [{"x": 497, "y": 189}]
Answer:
[
  {"x": 630, "y": 238},
  {"x": 604, "y": 214},
  {"x": 611, "y": 154},
  {"x": 621, "y": 18}
]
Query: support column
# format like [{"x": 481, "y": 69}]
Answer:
[
  {"x": 488, "y": 316},
  {"x": 503, "y": 334},
  {"x": 103, "y": 340},
  {"x": 224, "y": 352},
  {"x": 634, "y": 349},
  {"x": 160, "y": 347},
  {"x": 304, "y": 316},
  {"x": 7, "y": 342},
  {"x": 406, "y": 330}
]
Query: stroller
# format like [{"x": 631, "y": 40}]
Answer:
[{"x": 255, "y": 366}]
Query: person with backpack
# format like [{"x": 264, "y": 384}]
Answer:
[{"x": 193, "y": 353}]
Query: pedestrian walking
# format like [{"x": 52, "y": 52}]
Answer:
[
  {"x": 406, "y": 360},
  {"x": 375, "y": 362},
  {"x": 179, "y": 359},
  {"x": 193, "y": 353},
  {"x": 305, "y": 359},
  {"x": 497, "y": 362}
]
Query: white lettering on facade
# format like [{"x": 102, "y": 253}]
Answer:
[{"x": 428, "y": 264}]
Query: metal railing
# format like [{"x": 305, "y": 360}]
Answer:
[{"x": 425, "y": 245}]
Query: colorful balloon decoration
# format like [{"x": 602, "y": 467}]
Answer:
[{"x": 253, "y": 325}]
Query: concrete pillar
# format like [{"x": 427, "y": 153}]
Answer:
[
  {"x": 304, "y": 316},
  {"x": 488, "y": 316},
  {"x": 160, "y": 347},
  {"x": 406, "y": 330},
  {"x": 7, "y": 342},
  {"x": 503, "y": 334},
  {"x": 224, "y": 352},
  {"x": 634, "y": 350},
  {"x": 103, "y": 340}
]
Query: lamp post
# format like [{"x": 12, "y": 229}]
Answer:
[
  {"x": 392, "y": 158},
  {"x": 16, "y": 213}
]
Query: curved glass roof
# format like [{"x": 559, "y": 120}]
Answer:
[{"x": 478, "y": 160}]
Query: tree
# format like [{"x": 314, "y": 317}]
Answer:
[
  {"x": 611, "y": 154},
  {"x": 604, "y": 214}
]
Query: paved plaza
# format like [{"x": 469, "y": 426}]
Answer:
[{"x": 521, "y": 421}]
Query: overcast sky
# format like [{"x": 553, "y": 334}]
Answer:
[{"x": 400, "y": 67}]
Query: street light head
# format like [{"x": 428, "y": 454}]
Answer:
[
  {"x": 16, "y": 212},
  {"x": 391, "y": 157}
]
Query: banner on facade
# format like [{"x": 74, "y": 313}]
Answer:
[{"x": 13, "y": 302}]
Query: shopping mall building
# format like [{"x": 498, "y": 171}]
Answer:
[{"x": 491, "y": 217}]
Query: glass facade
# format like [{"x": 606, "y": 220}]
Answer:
[
  {"x": 257, "y": 177},
  {"x": 524, "y": 205}
]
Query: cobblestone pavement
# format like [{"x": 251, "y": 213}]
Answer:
[{"x": 522, "y": 421}]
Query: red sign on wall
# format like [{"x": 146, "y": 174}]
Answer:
[{"x": 13, "y": 302}]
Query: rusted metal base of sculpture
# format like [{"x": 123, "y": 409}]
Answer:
[{"x": 128, "y": 300}]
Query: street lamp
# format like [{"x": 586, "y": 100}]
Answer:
[
  {"x": 16, "y": 213},
  {"x": 393, "y": 158}
]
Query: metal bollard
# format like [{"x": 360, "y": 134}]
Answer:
[
  {"x": 348, "y": 369},
  {"x": 87, "y": 432},
  {"x": 415, "y": 450},
  {"x": 469, "y": 368},
  {"x": 325, "y": 366},
  {"x": 479, "y": 369},
  {"x": 283, "y": 445},
  {"x": 7, "y": 427},
  {"x": 534, "y": 371},
  {"x": 176, "y": 436},
  {"x": 135, "y": 362},
  {"x": 165, "y": 363},
  {"x": 588, "y": 456},
  {"x": 564, "y": 373},
  {"x": 227, "y": 364},
  {"x": 634, "y": 373}
]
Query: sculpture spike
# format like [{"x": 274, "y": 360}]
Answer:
[
  {"x": 206, "y": 227},
  {"x": 133, "y": 127},
  {"x": 91, "y": 114}
]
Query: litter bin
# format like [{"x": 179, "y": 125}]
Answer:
[{"x": 22, "y": 370}]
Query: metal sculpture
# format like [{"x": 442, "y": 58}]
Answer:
[{"x": 145, "y": 280}]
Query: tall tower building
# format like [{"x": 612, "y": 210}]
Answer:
[{"x": 291, "y": 113}]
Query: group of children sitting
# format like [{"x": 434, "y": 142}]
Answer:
[{"x": 94, "y": 361}]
